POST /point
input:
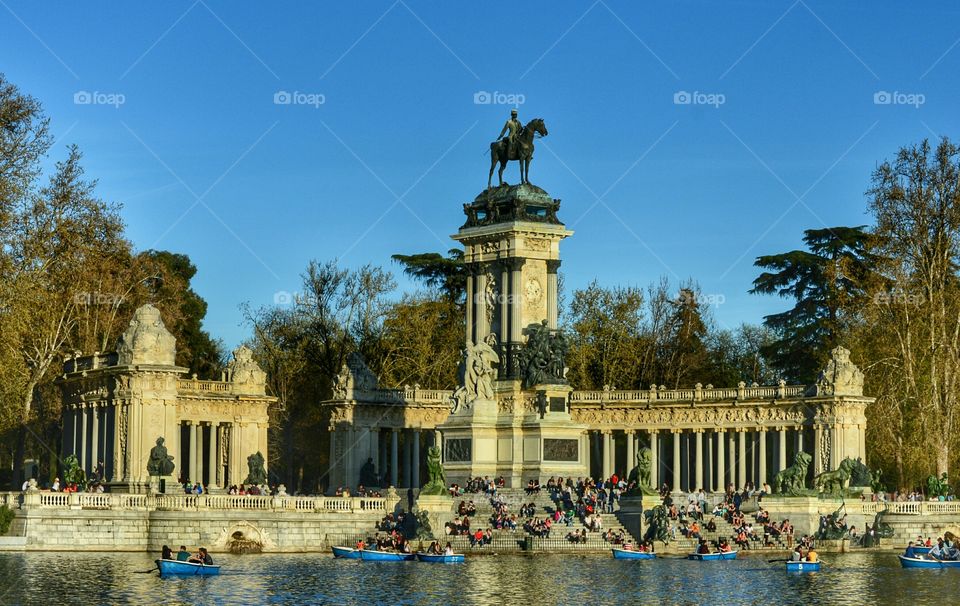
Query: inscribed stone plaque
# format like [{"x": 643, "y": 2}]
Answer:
[
  {"x": 458, "y": 450},
  {"x": 555, "y": 449},
  {"x": 558, "y": 404}
]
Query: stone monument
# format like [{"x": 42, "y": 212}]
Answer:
[{"x": 510, "y": 414}]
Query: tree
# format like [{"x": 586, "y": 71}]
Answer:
[
  {"x": 446, "y": 274},
  {"x": 825, "y": 282},
  {"x": 422, "y": 339},
  {"x": 684, "y": 355},
  {"x": 914, "y": 315}
]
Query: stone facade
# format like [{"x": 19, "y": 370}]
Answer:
[{"x": 116, "y": 405}]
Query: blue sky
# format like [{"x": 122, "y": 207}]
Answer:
[{"x": 791, "y": 106}]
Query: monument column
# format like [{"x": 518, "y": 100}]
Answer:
[
  {"x": 720, "y": 483},
  {"x": 516, "y": 311},
  {"x": 741, "y": 458},
  {"x": 782, "y": 450},
  {"x": 654, "y": 460},
  {"x": 553, "y": 266},
  {"x": 676, "y": 461},
  {"x": 818, "y": 462},
  {"x": 95, "y": 437},
  {"x": 83, "y": 438},
  {"x": 504, "y": 306},
  {"x": 631, "y": 453},
  {"x": 732, "y": 452},
  {"x": 415, "y": 463},
  {"x": 763, "y": 457},
  {"x": 199, "y": 453},
  {"x": 193, "y": 450},
  {"x": 607, "y": 454},
  {"x": 212, "y": 456},
  {"x": 394, "y": 462},
  {"x": 480, "y": 305},
  {"x": 699, "y": 463},
  {"x": 470, "y": 306}
]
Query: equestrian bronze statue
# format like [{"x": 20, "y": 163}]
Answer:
[{"x": 519, "y": 147}]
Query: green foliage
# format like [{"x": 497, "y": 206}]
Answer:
[
  {"x": 447, "y": 274},
  {"x": 825, "y": 282},
  {"x": 6, "y": 519}
]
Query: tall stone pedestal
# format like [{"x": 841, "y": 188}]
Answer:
[
  {"x": 631, "y": 513},
  {"x": 439, "y": 510}
]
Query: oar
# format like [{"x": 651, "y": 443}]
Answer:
[
  {"x": 146, "y": 571},
  {"x": 779, "y": 560}
]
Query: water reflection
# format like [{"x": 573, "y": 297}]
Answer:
[{"x": 60, "y": 578}]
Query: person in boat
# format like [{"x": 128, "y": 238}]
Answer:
[
  {"x": 812, "y": 555},
  {"x": 703, "y": 548},
  {"x": 448, "y": 550},
  {"x": 724, "y": 546},
  {"x": 183, "y": 555},
  {"x": 201, "y": 557},
  {"x": 796, "y": 555},
  {"x": 937, "y": 551},
  {"x": 166, "y": 553}
]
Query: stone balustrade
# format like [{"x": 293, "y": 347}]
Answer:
[{"x": 187, "y": 502}]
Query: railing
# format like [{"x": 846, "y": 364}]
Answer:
[
  {"x": 203, "y": 386},
  {"x": 189, "y": 502},
  {"x": 908, "y": 508},
  {"x": 697, "y": 394}
]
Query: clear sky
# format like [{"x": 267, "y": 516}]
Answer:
[{"x": 789, "y": 106}]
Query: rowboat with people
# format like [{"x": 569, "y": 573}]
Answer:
[
  {"x": 443, "y": 558},
  {"x": 927, "y": 561},
  {"x": 372, "y": 555},
  {"x": 183, "y": 568},
  {"x": 347, "y": 553},
  {"x": 709, "y": 557},
  {"x": 630, "y": 554}
]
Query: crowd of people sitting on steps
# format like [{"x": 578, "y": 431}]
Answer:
[{"x": 485, "y": 484}]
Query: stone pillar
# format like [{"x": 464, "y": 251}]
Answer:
[
  {"x": 505, "y": 306},
  {"x": 193, "y": 451},
  {"x": 818, "y": 462},
  {"x": 438, "y": 441},
  {"x": 741, "y": 458},
  {"x": 394, "y": 460},
  {"x": 415, "y": 467},
  {"x": 720, "y": 482},
  {"x": 373, "y": 439},
  {"x": 763, "y": 457},
  {"x": 676, "y": 461},
  {"x": 470, "y": 290},
  {"x": 782, "y": 450},
  {"x": 585, "y": 449},
  {"x": 516, "y": 295},
  {"x": 699, "y": 463},
  {"x": 607, "y": 454},
  {"x": 654, "y": 460},
  {"x": 732, "y": 452},
  {"x": 406, "y": 477},
  {"x": 480, "y": 305},
  {"x": 212, "y": 456},
  {"x": 116, "y": 472},
  {"x": 553, "y": 266},
  {"x": 94, "y": 437},
  {"x": 200, "y": 464},
  {"x": 800, "y": 439},
  {"x": 631, "y": 453},
  {"x": 83, "y": 438}
]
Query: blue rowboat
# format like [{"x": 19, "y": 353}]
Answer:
[
  {"x": 803, "y": 566},
  {"x": 927, "y": 563},
  {"x": 627, "y": 554},
  {"x": 456, "y": 558},
  {"x": 385, "y": 556},
  {"x": 347, "y": 553},
  {"x": 708, "y": 557},
  {"x": 916, "y": 550},
  {"x": 177, "y": 568}
]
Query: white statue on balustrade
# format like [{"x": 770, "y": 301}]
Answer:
[{"x": 477, "y": 374}]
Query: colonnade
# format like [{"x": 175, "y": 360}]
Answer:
[
  {"x": 398, "y": 454},
  {"x": 200, "y": 459},
  {"x": 691, "y": 459},
  {"x": 87, "y": 431}
]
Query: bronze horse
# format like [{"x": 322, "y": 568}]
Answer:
[{"x": 523, "y": 151}]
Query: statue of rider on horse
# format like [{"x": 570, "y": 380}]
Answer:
[{"x": 517, "y": 145}]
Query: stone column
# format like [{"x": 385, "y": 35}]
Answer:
[
  {"x": 732, "y": 452},
  {"x": 200, "y": 442},
  {"x": 438, "y": 441},
  {"x": 516, "y": 296},
  {"x": 631, "y": 453},
  {"x": 193, "y": 451},
  {"x": 95, "y": 437},
  {"x": 818, "y": 462},
  {"x": 699, "y": 463},
  {"x": 763, "y": 457},
  {"x": 607, "y": 454},
  {"x": 553, "y": 266},
  {"x": 83, "y": 438},
  {"x": 480, "y": 305},
  {"x": 741, "y": 458},
  {"x": 676, "y": 461},
  {"x": 720, "y": 482},
  {"x": 394, "y": 460},
  {"x": 373, "y": 440},
  {"x": 116, "y": 471},
  {"x": 654, "y": 460},
  {"x": 470, "y": 306},
  {"x": 212, "y": 466},
  {"x": 782, "y": 450},
  {"x": 800, "y": 439},
  {"x": 406, "y": 477},
  {"x": 585, "y": 449},
  {"x": 504, "y": 306},
  {"x": 596, "y": 450},
  {"x": 415, "y": 467}
]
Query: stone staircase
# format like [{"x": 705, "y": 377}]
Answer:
[
  {"x": 507, "y": 541},
  {"x": 724, "y": 530}
]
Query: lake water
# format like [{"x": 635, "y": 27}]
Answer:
[{"x": 868, "y": 578}]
